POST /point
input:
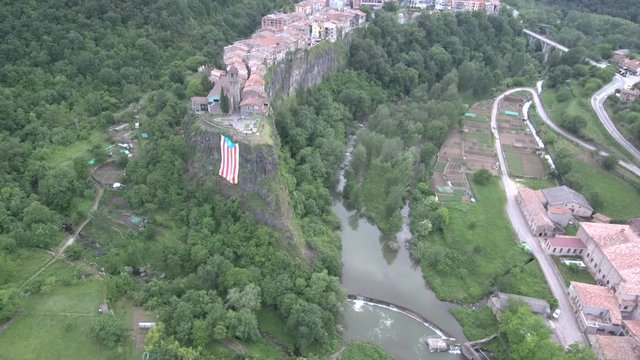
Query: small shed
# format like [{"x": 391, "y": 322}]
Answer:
[
  {"x": 500, "y": 301},
  {"x": 137, "y": 220},
  {"x": 469, "y": 115},
  {"x": 511, "y": 113},
  {"x": 103, "y": 309},
  {"x": 144, "y": 135},
  {"x": 146, "y": 325}
]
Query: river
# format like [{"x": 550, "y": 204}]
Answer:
[{"x": 372, "y": 270}]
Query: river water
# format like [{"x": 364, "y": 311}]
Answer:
[{"x": 373, "y": 270}]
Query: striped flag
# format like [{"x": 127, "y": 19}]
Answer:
[{"x": 230, "y": 163}]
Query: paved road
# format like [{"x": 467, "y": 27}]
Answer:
[
  {"x": 597, "y": 102},
  {"x": 569, "y": 136},
  {"x": 569, "y": 331}
]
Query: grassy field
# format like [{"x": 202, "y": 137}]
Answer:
[
  {"x": 28, "y": 261},
  {"x": 481, "y": 235},
  {"x": 514, "y": 162},
  {"x": 620, "y": 199},
  {"x": 269, "y": 322},
  {"x": 56, "y": 324},
  {"x": 77, "y": 149},
  {"x": 537, "y": 184},
  {"x": 479, "y": 324},
  {"x": 571, "y": 273},
  {"x": 527, "y": 280},
  {"x": 480, "y": 137},
  {"x": 580, "y": 104}
]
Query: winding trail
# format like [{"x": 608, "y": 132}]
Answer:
[{"x": 567, "y": 325}]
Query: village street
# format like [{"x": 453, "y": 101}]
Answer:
[{"x": 568, "y": 330}]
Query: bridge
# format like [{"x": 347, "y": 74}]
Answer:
[{"x": 547, "y": 44}]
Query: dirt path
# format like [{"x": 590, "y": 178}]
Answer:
[
  {"x": 94, "y": 207},
  {"x": 59, "y": 253}
]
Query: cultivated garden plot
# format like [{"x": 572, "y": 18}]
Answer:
[
  {"x": 523, "y": 155},
  {"x": 466, "y": 150}
]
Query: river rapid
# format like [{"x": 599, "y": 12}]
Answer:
[{"x": 389, "y": 304}]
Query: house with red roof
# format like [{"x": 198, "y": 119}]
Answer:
[{"x": 597, "y": 309}]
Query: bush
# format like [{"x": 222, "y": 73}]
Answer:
[
  {"x": 482, "y": 177},
  {"x": 609, "y": 162},
  {"x": 108, "y": 330},
  {"x": 73, "y": 252}
]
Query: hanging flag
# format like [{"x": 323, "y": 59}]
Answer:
[{"x": 230, "y": 163}]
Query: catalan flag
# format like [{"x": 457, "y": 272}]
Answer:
[{"x": 230, "y": 155}]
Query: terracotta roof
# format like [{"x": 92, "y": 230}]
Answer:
[
  {"x": 599, "y": 297},
  {"x": 621, "y": 245},
  {"x": 200, "y": 100},
  {"x": 559, "y": 211},
  {"x": 566, "y": 242},
  {"x": 531, "y": 202},
  {"x": 618, "y": 347},
  {"x": 633, "y": 326}
]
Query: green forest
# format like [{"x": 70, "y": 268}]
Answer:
[{"x": 217, "y": 277}]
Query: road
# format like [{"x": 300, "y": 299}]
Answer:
[
  {"x": 597, "y": 102},
  {"x": 569, "y": 136},
  {"x": 567, "y": 325}
]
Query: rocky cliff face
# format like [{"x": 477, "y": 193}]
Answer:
[
  {"x": 260, "y": 188},
  {"x": 306, "y": 69}
]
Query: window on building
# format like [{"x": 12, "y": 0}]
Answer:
[
  {"x": 575, "y": 250},
  {"x": 625, "y": 308},
  {"x": 554, "y": 250},
  {"x": 581, "y": 250},
  {"x": 560, "y": 252},
  {"x": 608, "y": 282}
]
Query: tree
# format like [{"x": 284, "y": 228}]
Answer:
[
  {"x": 108, "y": 330},
  {"x": 9, "y": 299},
  {"x": 58, "y": 188},
  {"x": 610, "y": 162},
  {"x": 224, "y": 102},
  {"x": 527, "y": 334},
  {"x": 246, "y": 325},
  {"x": 482, "y": 177},
  {"x": 247, "y": 298}
]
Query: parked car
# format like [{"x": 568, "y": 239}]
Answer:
[{"x": 556, "y": 314}]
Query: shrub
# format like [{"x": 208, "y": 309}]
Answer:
[
  {"x": 482, "y": 177},
  {"x": 108, "y": 330}
]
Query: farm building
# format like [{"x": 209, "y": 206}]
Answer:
[
  {"x": 500, "y": 301},
  {"x": 534, "y": 212},
  {"x": 563, "y": 245},
  {"x": 565, "y": 197}
]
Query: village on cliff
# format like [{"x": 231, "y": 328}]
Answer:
[{"x": 246, "y": 61}]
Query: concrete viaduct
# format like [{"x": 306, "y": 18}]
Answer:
[{"x": 547, "y": 44}]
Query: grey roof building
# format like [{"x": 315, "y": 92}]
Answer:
[{"x": 566, "y": 197}]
